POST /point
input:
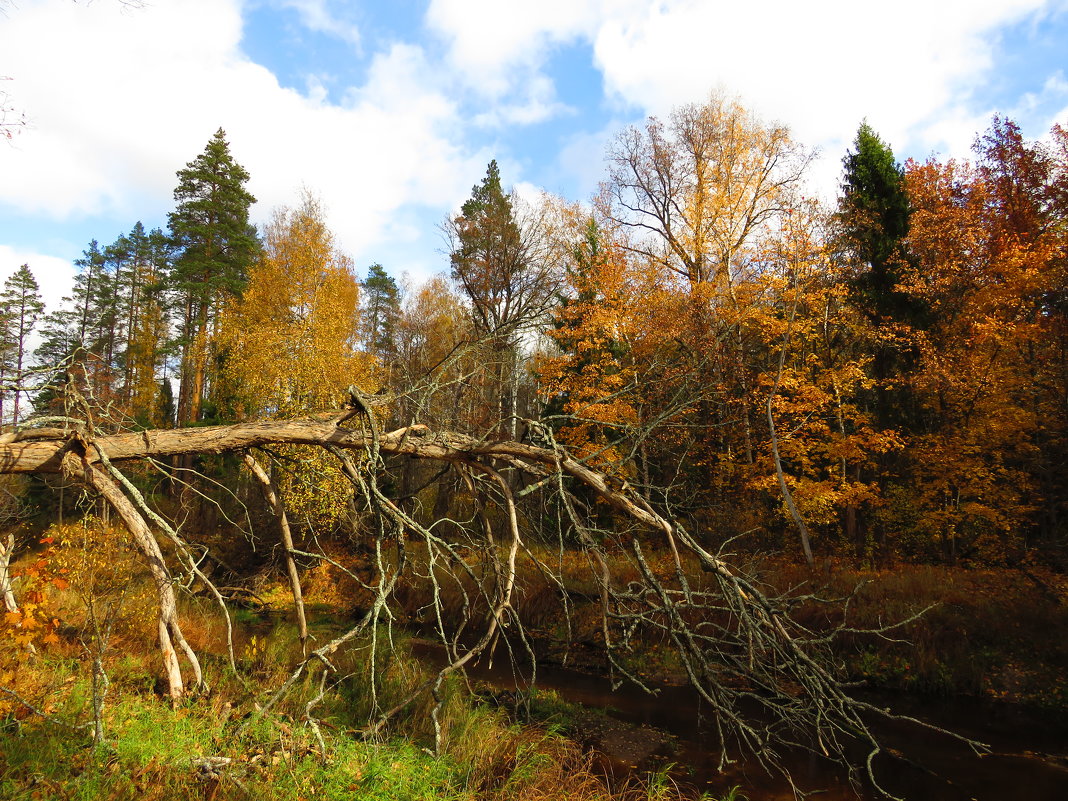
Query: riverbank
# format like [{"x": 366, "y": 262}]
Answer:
[
  {"x": 315, "y": 744},
  {"x": 999, "y": 634},
  {"x": 671, "y": 731},
  {"x": 992, "y": 638}
]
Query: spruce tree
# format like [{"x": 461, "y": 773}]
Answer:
[
  {"x": 874, "y": 215},
  {"x": 215, "y": 247}
]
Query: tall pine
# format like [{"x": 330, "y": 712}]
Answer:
[
  {"x": 381, "y": 310},
  {"x": 20, "y": 307},
  {"x": 215, "y": 247}
]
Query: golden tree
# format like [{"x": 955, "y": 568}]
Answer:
[
  {"x": 695, "y": 195},
  {"x": 290, "y": 346},
  {"x": 290, "y": 342},
  {"x": 975, "y": 379}
]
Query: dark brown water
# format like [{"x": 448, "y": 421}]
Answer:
[{"x": 1029, "y": 759}]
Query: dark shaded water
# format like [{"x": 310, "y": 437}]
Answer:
[{"x": 1029, "y": 758}]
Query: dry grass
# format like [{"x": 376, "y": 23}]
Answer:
[{"x": 996, "y": 632}]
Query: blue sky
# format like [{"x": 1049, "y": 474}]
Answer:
[{"x": 389, "y": 111}]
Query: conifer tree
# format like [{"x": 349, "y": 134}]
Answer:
[
  {"x": 874, "y": 212},
  {"x": 381, "y": 309},
  {"x": 216, "y": 245},
  {"x": 874, "y": 216},
  {"x": 499, "y": 262},
  {"x": 20, "y": 307},
  {"x": 75, "y": 336},
  {"x": 141, "y": 261}
]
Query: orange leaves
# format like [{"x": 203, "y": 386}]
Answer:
[
  {"x": 985, "y": 261},
  {"x": 290, "y": 341},
  {"x": 611, "y": 334},
  {"x": 32, "y": 623}
]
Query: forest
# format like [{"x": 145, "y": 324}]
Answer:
[{"x": 701, "y": 429}]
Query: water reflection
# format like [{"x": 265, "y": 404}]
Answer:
[{"x": 921, "y": 764}]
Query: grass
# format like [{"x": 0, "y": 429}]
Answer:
[
  {"x": 995, "y": 633},
  {"x": 151, "y": 747}
]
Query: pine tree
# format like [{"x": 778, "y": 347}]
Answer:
[
  {"x": 21, "y": 305},
  {"x": 216, "y": 245},
  {"x": 487, "y": 252},
  {"x": 381, "y": 309},
  {"x": 74, "y": 337},
  {"x": 497, "y": 260},
  {"x": 143, "y": 309}
]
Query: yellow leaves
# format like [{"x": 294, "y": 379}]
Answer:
[
  {"x": 97, "y": 565},
  {"x": 316, "y": 492},
  {"x": 290, "y": 341}
]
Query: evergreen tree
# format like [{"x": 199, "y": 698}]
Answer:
[
  {"x": 143, "y": 311},
  {"x": 487, "y": 252},
  {"x": 216, "y": 245},
  {"x": 874, "y": 214},
  {"x": 381, "y": 310},
  {"x": 874, "y": 218},
  {"x": 75, "y": 335},
  {"x": 20, "y": 307},
  {"x": 497, "y": 259}
]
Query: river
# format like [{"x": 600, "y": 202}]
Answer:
[{"x": 1028, "y": 759}]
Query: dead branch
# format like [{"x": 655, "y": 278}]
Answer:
[
  {"x": 279, "y": 509},
  {"x": 739, "y": 646}
]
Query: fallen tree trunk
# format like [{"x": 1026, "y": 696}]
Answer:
[
  {"x": 170, "y": 632},
  {"x": 31, "y": 452},
  {"x": 739, "y": 645},
  {"x": 279, "y": 509}
]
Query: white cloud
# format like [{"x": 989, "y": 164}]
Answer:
[
  {"x": 494, "y": 44},
  {"x": 912, "y": 69},
  {"x": 118, "y": 101},
  {"x": 820, "y": 67},
  {"x": 54, "y": 276},
  {"x": 538, "y": 104}
]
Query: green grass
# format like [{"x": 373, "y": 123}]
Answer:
[{"x": 151, "y": 746}]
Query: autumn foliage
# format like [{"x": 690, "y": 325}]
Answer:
[
  {"x": 909, "y": 348},
  {"x": 885, "y": 377}
]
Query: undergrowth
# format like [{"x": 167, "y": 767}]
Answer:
[{"x": 155, "y": 751}]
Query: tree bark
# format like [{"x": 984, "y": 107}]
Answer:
[
  {"x": 7, "y": 548},
  {"x": 82, "y": 468}
]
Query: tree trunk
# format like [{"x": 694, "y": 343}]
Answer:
[
  {"x": 170, "y": 633},
  {"x": 279, "y": 509},
  {"x": 7, "y": 549}
]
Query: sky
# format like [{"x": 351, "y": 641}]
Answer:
[{"x": 390, "y": 110}]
